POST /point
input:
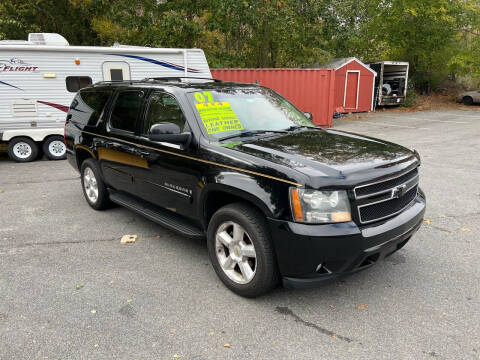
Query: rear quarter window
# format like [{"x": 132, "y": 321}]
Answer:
[{"x": 87, "y": 106}]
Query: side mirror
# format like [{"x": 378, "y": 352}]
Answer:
[
  {"x": 308, "y": 115},
  {"x": 168, "y": 132}
]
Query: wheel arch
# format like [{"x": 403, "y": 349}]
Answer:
[
  {"x": 13, "y": 138},
  {"x": 216, "y": 196},
  {"x": 83, "y": 153},
  {"x": 37, "y": 135},
  {"x": 50, "y": 136}
]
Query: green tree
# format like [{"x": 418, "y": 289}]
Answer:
[
  {"x": 20, "y": 17},
  {"x": 264, "y": 33},
  {"x": 439, "y": 38},
  {"x": 347, "y": 28},
  {"x": 465, "y": 57},
  {"x": 422, "y": 33}
]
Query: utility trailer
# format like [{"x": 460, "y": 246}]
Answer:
[
  {"x": 39, "y": 79},
  {"x": 390, "y": 83}
]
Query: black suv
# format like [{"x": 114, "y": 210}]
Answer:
[{"x": 276, "y": 196}]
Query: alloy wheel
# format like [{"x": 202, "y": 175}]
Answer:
[
  {"x": 90, "y": 185},
  {"x": 235, "y": 252}
]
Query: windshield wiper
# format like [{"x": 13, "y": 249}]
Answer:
[
  {"x": 252, "y": 133},
  {"x": 295, "y": 127}
]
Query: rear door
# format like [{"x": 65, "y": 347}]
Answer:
[{"x": 118, "y": 154}]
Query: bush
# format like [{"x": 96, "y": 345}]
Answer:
[{"x": 411, "y": 94}]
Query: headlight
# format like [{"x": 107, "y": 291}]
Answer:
[
  {"x": 417, "y": 155},
  {"x": 314, "y": 206}
]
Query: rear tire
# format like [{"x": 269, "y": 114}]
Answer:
[
  {"x": 54, "y": 148},
  {"x": 22, "y": 149},
  {"x": 241, "y": 250},
  {"x": 467, "y": 100},
  {"x": 94, "y": 189}
]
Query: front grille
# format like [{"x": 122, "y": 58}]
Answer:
[
  {"x": 386, "y": 208},
  {"x": 385, "y": 198},
  {"x": 383, "y": 186}
]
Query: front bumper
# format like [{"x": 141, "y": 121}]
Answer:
[{"x": 340, "y": 249}]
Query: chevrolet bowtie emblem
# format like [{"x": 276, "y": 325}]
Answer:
[{"x": 398, "y": 191}]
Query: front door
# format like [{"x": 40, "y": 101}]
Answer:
[
  {"x": 171, "y": 180},
  {"x": 352, "y": 83},
  {"x": 115, "y": 71}
]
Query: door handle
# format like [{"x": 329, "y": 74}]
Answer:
[
  {"x": 113, "y": 145},
  {"x": 143, "y": 153}
]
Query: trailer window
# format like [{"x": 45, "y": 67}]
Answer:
[
  {"x": 75, "y": 83},
  {"x": 116, "y": 74}
]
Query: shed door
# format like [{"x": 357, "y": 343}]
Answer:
[
  {"x": 115, "y": 71},
  {"x": 352, "y": 82}
]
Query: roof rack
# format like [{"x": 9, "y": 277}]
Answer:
[
  {"x": 113, "y": 82},
  {"x": 178, "y": 78},
  {"x": 165, "y": 79}
]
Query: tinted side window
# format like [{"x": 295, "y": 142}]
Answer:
[
  {"x": 163, "y": 108},
  {"x": 75, "y": 83},
  {"x": 88, "y": 105},
  {"x": 128, "y": 107}
]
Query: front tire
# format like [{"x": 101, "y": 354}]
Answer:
[
  {"x": 241, "y": 250},
  {"x": 94, "y": 189},
  {"x": 54, "y": 148},
  {"x": 22, "y": 149},
  {"x": 467, "y": 100}
]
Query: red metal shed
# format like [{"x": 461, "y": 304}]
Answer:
[
  {"x": 309, "y": 90},
  {"x": 354, "y": 85}
]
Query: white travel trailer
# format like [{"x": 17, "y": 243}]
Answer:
[{"x": 39, "y": 78}]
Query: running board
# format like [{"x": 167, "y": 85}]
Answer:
[{"x": 157, "y": 214}]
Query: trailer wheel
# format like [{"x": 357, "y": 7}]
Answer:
[
  {"x": 22, "y": 149},
  {"x": 54, "y": 148}
]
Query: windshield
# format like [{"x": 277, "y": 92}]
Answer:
[{"x": 228, "y": 112}]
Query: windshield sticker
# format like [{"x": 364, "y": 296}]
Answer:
[
  {"x": 218, "y": 117},
  {"x": 200, "y": 97}
]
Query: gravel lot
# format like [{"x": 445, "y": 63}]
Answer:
[{"x": 70, "y": 290}]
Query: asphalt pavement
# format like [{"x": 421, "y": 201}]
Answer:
[{"x": 70, "y": 290}]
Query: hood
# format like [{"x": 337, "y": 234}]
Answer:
[{"x": 322, "y": 152}]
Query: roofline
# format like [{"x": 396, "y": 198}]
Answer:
[
  {"x": 97, "y": 49},
  {"x": 268, "y": 69},
  {"x": 361, "y": 63},
  {"x": 390, "y": 62}
]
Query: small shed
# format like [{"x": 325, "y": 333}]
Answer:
[{"x": 354, "y": 85}]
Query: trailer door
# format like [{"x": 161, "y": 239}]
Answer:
[{"x": 115, "y": 71}]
